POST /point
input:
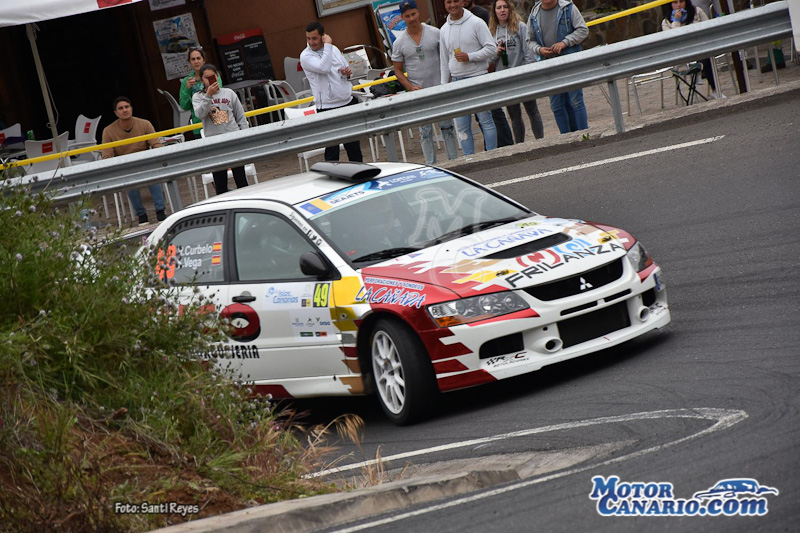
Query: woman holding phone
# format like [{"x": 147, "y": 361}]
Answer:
[
  {"x": 509, "y": 32},
  {"x": 221, "y": 112},
  {"x": 192, "y": 83}
]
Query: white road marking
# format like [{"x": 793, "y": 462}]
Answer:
[
  {"x": 605, "y": 161},
  {"x": 724, "y": 418}
]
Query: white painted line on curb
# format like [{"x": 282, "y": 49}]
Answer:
[
  {"x": 680, "y": 413},
  {"x": 724, "y": 418},
  {"x": 606, "y": 161}
]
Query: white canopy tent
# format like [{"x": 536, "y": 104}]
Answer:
[{"x": 28, "y": 12}]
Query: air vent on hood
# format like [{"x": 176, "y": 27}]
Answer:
[{"x": 531, "y": 247}]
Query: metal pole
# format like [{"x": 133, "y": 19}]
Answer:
[
  {"x": 31, "y": 31},
  {"x": 616, "y": 106}
]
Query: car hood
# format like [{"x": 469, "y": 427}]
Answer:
[{"x": 520, "y": 254}]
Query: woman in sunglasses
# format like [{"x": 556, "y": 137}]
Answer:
[
  {"x": 221, "y": 112},
  {"x": 192, "y": 83},
  {"x": 509, "y": 32}
]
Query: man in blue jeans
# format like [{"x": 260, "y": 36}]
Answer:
[
  {"x": 555, "y": 28},
  {"x": 127, "y": 127},
  {"x": 465, "y": 49}
]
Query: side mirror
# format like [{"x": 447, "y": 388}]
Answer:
[{"x": 312, "y": 264}]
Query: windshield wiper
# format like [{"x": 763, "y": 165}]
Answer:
[
  {"x": 469, "y": 229},
  {"x": 389, "y": 253}
]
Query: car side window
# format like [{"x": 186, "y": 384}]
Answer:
[
  {"x": 194, "y": 251},
  {"x": 268, "y": 247}
]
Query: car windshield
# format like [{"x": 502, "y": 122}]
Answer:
[{"x": 399, "y": 214}]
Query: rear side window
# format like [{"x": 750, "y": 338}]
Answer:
[{"x": 194, "y": 251}]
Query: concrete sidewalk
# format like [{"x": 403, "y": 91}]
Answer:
[{"x": 320, "y": 512}]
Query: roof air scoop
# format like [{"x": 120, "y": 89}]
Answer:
[{"x": 347, "y": 171}]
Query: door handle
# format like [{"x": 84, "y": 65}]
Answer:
[{"x": 244, "y": 298}]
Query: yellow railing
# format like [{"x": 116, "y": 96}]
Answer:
[
  {"x": 173, "y": 131},
  {"x": 269, "y": 109}
]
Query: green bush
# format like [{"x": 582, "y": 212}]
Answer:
[{"x": 100, "y": 381}]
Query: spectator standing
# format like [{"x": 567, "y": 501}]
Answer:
[
  {"x": 328, "y": 74},
  {"x": 221, "y": 112},
  {"x": 477, "y": 10},
  {"x": 465, "y": 49},
  {"x": 555, "y": 28},
  {"x": 680, "y": 13},
  {"x": 417, "y": 51},
  {"x": 193, "y": 83},
  {"x": 510, "y": 34},
  {"x": 127, "y": 127}
]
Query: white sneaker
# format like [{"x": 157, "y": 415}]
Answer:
[{"x": 713, "y": 96}]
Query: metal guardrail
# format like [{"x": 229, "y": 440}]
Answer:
[{"x": 602, "y": 64}]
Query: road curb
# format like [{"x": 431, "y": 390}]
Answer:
[{"x": 319, "y": 512}]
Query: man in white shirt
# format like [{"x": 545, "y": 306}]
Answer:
[
  {"x": 465, "y": 48},
  {"x": 328, "y": 72}
]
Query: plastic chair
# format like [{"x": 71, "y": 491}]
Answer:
[
  {"x": 46, "y": 147},
  {"x": 648, "y": 77},
  {"x": 208, "y": 177},
  {"x": 85, "y": 135},
  {"x": 179, "y": 116},
  {"x": 11, "y": 138},
  {"x": 294, "y": 73},
  {"x": 303, "y": 157}
]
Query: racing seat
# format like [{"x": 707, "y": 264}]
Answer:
[{"x": 688, "y": 78}]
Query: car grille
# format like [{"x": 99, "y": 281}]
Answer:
[
  {"x": 592, "y": 325},
  {"x": 583, "y": 282}
]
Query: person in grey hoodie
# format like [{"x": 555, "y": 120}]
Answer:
[
  {"x": 221, "y": 112},
  {"x": 465, "y": 49},
  {"x": 556, "y": 28}
]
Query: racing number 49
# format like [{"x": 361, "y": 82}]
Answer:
[{"x": 321, "y": 291}]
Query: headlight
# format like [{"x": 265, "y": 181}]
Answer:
[
  {"x": 476, "y": 308},
  {"x": 639, "y": 257}
]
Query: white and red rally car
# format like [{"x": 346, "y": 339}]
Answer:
[{"x": 406, "y": 280}]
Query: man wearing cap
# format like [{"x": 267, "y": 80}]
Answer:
[
  {"x": 465, "y": 48},
  {"x": 328, "y": 74},
  {"x": 417, "y": 51}
]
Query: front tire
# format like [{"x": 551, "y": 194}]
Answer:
[{"x": 402, "y": 373}]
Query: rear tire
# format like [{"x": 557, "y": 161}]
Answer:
[{"x": 402, "y": 373}]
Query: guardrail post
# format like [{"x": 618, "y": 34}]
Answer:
[
  {"x": 391, "y": 149},
  {"x": 175, "y": 195},
  {"x": 616, "y": 106}
]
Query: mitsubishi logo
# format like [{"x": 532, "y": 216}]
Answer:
[{"x": 585, "y": 285}]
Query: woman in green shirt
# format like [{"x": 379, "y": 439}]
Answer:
[{"x": 193, "y": 83}]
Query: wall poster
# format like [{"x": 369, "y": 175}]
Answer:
[
  {"x": 329, "y": 7},
  {"x": 175, "y": 36}
]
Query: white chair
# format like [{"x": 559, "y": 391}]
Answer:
[
  {"x": 648, "y": 77},
  {"x": 295, "y": 76},
  {"x": 46, "y": 147},
  {"x": 358, "y": 60},
  {"x": 85, "y": 135},
  {"x": 208, "y": 177},
  {"x": 11, "y": 138},
  {"x": 179, "y": 116},
  {"x": 303, "y": 157}
]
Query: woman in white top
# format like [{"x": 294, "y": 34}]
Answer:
[{"x": 509, "y": 32}]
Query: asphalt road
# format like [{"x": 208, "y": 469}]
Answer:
[{"x": 712, "y": 396}]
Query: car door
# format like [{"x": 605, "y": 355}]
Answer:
[{"x": 294, "y": 336}]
